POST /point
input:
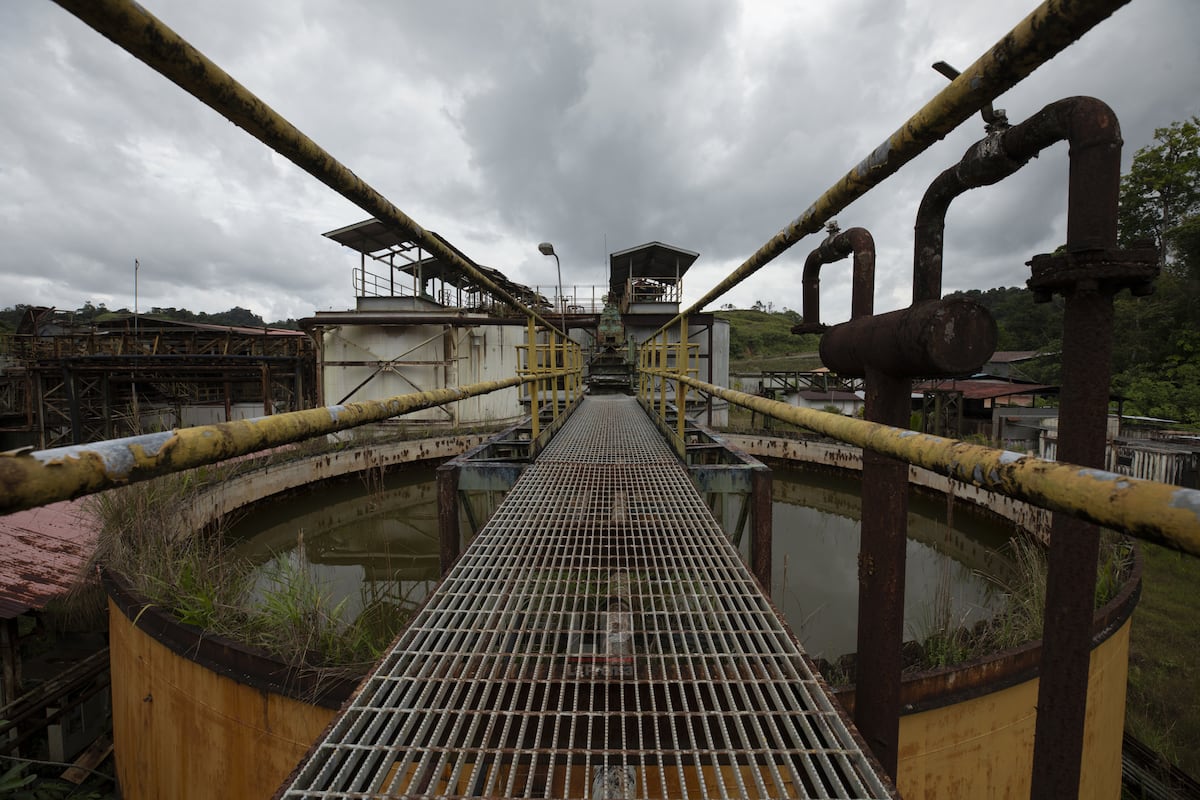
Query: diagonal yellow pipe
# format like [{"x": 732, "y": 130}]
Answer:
[
  {"x": 148, "y": 39},
  {"x": 1156, "y": 512},
  {"x": 29, "y": 479},
  {"x": 1046, "y": 32}
]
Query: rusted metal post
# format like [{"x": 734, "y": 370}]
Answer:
[
  {"x": 760, "y": 518},
  {"x": 1074, "y": 550},
  {"x": 935, "y": 338},
  {"x": 681, "y": 366},
  {"x": 531, "y": 355},
  {"x": 448, "y": 532},
  {"x": 663, "y": 356},
  {"x": 881, "y": 564}
]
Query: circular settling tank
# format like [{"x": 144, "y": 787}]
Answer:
[{"x": 967, "y": 730}]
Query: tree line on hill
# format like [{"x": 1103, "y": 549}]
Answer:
[{"x": 90, "y": 313}]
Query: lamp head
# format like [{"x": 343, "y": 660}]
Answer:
[{"x": 546, "y": 248}]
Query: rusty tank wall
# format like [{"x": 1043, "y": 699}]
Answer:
[
  {"x": 183, "y": 727},
  {"x": 198, "y": 716},
  {"x": 983, "y": 746}
]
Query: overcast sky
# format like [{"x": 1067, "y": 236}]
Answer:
[{"x": 595, "y": 125}]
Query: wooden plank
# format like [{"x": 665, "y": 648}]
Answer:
[{"x": 87, "y": 762}]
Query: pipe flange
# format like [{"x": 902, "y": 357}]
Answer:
[{"x": 1112, "y": 270}]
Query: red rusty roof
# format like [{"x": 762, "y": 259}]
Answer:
[
  {"x": 42, "y": 554},
  {"x": 984, "y": 388}
]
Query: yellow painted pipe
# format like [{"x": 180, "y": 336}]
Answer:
[
  {"x": 1156, "y": 512},
  {"x": 1042, "y": 35},
  {"x": 29, "y": 479},
  {"x": 148, "y": 39}
]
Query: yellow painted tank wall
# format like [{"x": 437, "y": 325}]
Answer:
[
  {"x": 186, "y": 731},
  {"x": 983, "y": 748}
]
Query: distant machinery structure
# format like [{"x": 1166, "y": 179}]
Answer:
[
  {"x": 646, "y": 285},
  {"x": 63, "y": 383},
  {"x": 422, "y": 323}
]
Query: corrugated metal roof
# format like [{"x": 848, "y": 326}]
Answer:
[
  {"x": 985, "y": 389},
  {"x": 42, "y": 553},
  {"x": 656, "y": 260}
]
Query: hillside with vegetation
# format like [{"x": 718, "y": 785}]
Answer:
[{"x": 761, "y": 340}]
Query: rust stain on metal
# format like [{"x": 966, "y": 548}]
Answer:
[{"x": 42, "y": 552}]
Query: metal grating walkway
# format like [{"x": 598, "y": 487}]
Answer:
[{"x": 599, "y": 639}]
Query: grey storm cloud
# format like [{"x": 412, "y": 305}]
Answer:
[{"x": 596, "y": 125}]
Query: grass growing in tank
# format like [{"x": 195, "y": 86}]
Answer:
[
  {"x": 286, "y": 610},
  {"x": 944, "y": 641}
]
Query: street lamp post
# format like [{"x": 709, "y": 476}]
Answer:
[{"x": 547, "y": 249}]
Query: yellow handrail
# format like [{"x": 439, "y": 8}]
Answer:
[{"x": 1156, "y": 512}]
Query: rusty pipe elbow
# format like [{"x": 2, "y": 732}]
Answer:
[
  {"x": 810, "y": 298},
  {"x": 1091, "y": 129},
  {"x": 862, "y": 293},
  {"x": 836, "y": 247},
  {"x": 984, "y": 163}
]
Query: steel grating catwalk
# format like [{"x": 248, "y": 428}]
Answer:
[{"x": 600, "y": 638}]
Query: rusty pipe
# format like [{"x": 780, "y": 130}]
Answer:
[
  {"x": 29, "y": 479},
  {"x": 836, "y": 247},
  {"x": 148, "y": 39},
  {"x": 935, "y": 338},
  {"x": 1090, "y": 127},
  {"x": 1088, "y": 274},
  {"x": 1044, "y": 33},
  {"x": 1154, "y": 512}
]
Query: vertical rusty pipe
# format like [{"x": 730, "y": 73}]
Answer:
[
  {"x": 983, "y": 164},
  {"x": 760, "y": 519},
  {"x": 935, "y": 338},
  {"x": 448, "y": 533},
  {"x": 1088, "y": 276},
  {"x": 1095, "y": 175},
  {"x": 836, "y": 247},
  {"x": 881, "y": 564},
  {"x": 1074, "y": 549}
]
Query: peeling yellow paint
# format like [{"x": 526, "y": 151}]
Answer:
[{"x": 1156, "y": 512}]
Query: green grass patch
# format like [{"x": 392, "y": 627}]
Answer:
[
  {"x": 284, "y": 608},
  {"x": 1163, "y": 705}
]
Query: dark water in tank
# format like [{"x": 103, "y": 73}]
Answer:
[{"x": 369, "y": 541}]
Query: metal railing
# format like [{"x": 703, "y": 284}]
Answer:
[
  {"x": 1153, "y": 512},
  {"x": 550, "y": 367},
  {"x": 660, "y": 358}
]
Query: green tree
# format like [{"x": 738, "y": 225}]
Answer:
[{"x": 1160, "y": 195}]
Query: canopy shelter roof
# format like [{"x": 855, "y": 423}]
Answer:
[
  {"x": 383, "y": 243},
  {"x": 654, "y": 260}
]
